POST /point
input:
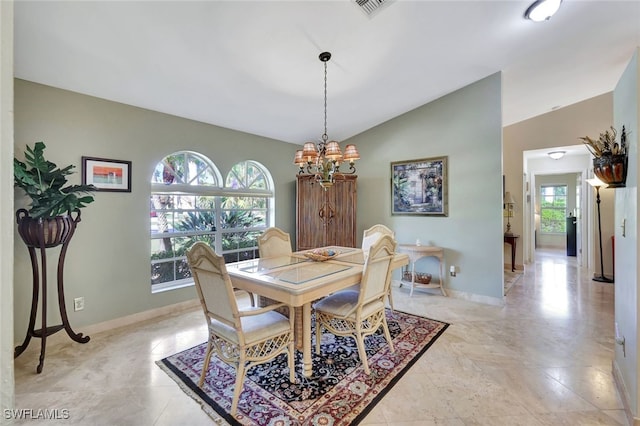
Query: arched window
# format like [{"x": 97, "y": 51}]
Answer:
[
  {"x": 189, "y": 203},
  {"x": 247, "y": 210}
]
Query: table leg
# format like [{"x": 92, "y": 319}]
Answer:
[
  {"x": 413, "y": 277},
  {"x": 441, "y": 266},
  {"x": 306, "y": 340},
  {"x": 513, "y": 255}
]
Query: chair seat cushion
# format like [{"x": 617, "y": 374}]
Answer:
[
  {"x": 340, "y": 303},
  {"x": 255, "y": 327}
]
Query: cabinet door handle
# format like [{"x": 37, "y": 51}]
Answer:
[{"x": 331, "y": 214}]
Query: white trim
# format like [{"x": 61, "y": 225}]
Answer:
[{"x": 128, "y": 320}]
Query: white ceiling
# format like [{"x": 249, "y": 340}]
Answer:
[{"x": 253, "y": 65}]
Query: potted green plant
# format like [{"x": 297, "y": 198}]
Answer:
[
  {"x": 52, "y": 198},
  {"x": 47, "y": 223},
  {"x": 610, "y": 157}
]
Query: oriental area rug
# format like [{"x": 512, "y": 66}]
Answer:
[{"x": 337, "y": 393}]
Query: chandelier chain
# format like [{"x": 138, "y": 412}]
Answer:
[
  {"x": 324, "y": 135},
  {"x": 322, "y": 160}
]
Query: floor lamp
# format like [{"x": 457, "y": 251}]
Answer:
[{"x": 597, "y": 183}]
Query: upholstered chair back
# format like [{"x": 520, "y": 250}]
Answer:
[
  {"x": 376, "y": 273},
  {"x": 274, "y": 242},
  {"x": 213, "y": 285},
  {"x": 372, "y": 235}
]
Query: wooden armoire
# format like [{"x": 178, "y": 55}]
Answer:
[{"x": 325, "y": 218}]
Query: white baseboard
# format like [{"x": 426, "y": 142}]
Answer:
[
  {"x": 142, "y": 316},
  {"x": 61, "y": 336},
  {"x": 624, "y": 395}
]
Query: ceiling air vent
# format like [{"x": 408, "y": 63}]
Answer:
[{"x": 371, "y": 6}]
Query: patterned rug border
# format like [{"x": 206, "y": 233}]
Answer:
[{"x": 218, "y": 413}]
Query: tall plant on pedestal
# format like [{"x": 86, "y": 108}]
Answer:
[{"x": 47, "y": 223}]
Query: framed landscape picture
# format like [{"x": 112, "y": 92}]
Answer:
[
  {"x": 106, "y": 175},
  {"x": 419, "y": 187}
]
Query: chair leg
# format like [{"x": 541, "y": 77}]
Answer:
[
  {"x": 387, "y": 335},
  {"x": 253, "y": 302},
  {"x": 362, "y": 352},
  {"x": 390, "y": 296},
  {"x": 318, "y": 336},
  {"x": 240, "y": 371},
  {"x": 205, "y": 366},
  {"x": 292, "y": 361}
]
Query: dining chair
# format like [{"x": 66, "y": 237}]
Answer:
[
  {"x": 369, "y": 237},
  {"x": 242, "y": 338},
  {"x": 274, "y": 242},
  {"x": 360, "y": 313}
]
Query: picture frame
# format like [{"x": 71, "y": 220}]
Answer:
[
  {"x": 420, "y": 187},
  {"x": 106, "y": 174}
]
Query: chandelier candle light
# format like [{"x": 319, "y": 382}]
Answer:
[{"x": 323, "y": 161}]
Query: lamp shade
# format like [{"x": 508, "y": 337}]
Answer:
[
  {"x": 332, "y": 151},
  {"x": 508, "y": 198},
  {"x": 351, "y": 153},
  {"x": 596, "y": 183},
  {"x": 299, "y": 158},
  {"x": 309, "y": 151}
]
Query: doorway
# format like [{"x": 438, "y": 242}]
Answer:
[
  {"x": 556, "y": 200},
  {"x": 547, "y": 216}
]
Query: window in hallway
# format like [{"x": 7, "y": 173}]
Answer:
[{"x": 553, "y": 209}]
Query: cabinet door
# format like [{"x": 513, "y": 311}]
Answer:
[
  {"x": 310, "y": 202},
  {"x": 325, "y": 218},
  {"x": 341, "y": 205}
]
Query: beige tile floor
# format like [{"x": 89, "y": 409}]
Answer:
[{"x": 542, "y": 359}]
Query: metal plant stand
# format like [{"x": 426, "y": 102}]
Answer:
[{"x": 42, "y": 234}]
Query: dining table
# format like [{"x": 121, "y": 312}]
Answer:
[{"x": 298, "y": 281}]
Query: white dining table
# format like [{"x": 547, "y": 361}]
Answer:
[{"x": 298, "y": 281}]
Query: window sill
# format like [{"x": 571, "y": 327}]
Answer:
[{"x": 173, "y": 285}]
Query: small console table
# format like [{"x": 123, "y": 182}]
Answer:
[
  {"x": 512, "y": 239},
  {"x": 417, "y": 252}
]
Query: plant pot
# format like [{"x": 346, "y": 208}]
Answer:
[
  {"x": 611, "y": 169},
  {"x": 55, "y": 231}
]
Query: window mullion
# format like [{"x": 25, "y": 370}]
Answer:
[{"x": 218, "y": 234}]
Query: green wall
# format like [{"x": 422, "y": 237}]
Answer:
[
  {"x": 108, "y": 259},
  {"x": 626, "y": 112},
  {"x": 465, "y": 126},
  {"x": 107, "y": 262}
]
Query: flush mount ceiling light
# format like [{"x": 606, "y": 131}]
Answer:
[
  {"x": 542, "y": 10},
  {"x": 556, "y": 155}
]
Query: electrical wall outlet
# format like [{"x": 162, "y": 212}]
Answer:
[{"x": 78, "y": 304}]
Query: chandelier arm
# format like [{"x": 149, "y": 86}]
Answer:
[{"x": 352, "y": 169}]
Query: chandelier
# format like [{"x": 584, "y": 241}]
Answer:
[{"x": 323, "y": 161}]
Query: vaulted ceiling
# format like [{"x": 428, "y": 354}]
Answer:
[{"x": 253, "y": 65}]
